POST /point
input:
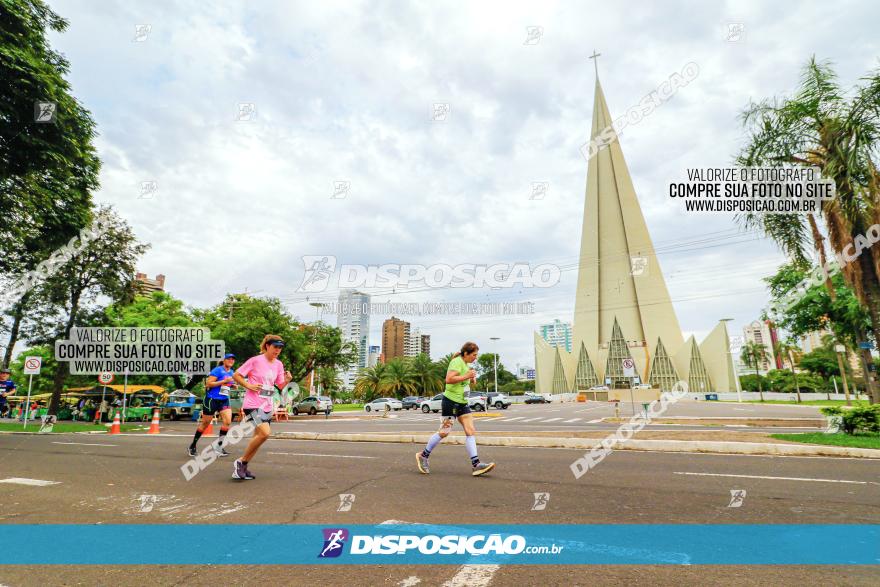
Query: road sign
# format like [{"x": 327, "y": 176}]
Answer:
[
  {"x": 840, "y": 348},
  {"x": 32, "y": 365},
  {"x": 105, "y": 378},
  {"x": 629, "y": 368},
  {"x": 866, "y": 345}
]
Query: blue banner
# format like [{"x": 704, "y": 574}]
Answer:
[{"x": 418, "y": 544}]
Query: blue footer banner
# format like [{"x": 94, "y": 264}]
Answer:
[{"x": 419, "y": 544}]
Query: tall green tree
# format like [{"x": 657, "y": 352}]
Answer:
[
  {"x": 753, "y": 354},
  {"x": 242, "y": 321},
  {"x": 368, "y": 384},
  {"x": 426, "y": 375},
  {"x": 104, "y": 267},
  {"x": 398, "y": 378},
  {"x": 48, "y": 169},
  {"x": 839, "y": 132}
]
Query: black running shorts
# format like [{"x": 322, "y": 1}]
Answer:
[{"x": 449, "y": 408}]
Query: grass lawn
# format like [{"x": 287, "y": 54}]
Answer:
[
  {"x": 347, "y": 407},
  {"x": 812, "y": 402},
  {"x": 10, "y": 426},
  {"x": 858, "y": 441}
]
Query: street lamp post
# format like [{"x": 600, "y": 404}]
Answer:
[
  {"x": 840, "y": 349},
  {"x": 495, "y": 357},
  {"x": 732, "y": 362},
  {"x": 317, "y": 306}
]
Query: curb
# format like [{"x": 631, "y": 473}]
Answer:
[{"x": 701, "y": 446}]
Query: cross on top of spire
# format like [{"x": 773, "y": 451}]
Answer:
[{"x": 595, "y": 56}]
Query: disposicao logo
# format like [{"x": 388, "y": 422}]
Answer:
[{"x": 334, "y": 541}]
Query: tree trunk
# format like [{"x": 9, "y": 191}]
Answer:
[
  {"x": 758, "y": 377},
  {"x": 871, "y": 302},
  {"x": 63, "y": 366},
  {"x": 17, "y": 317}
]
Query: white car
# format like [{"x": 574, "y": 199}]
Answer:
[
  {"x": 433, "y": 404},
  {"x": 384, "y": 404},
  {"x": 475, "y": 402}
]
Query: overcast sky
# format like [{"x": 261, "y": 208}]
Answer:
[{"x": 344, "y": 91}]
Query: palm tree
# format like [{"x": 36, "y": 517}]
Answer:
[
  {"x": 398, "y": 378},
  {"x": 786, "y": 349},
  {"x": 368, "y": 385},
  {"x": 426, "y": 374},
  {"x": 329, "y": 380},
  {"x": 443, "y": 364},
  {"x": 753, "y": 354},
  {"x": 822, "y": 127}
]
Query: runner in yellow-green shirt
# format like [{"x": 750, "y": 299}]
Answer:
[{"x": 455, "y": 405}]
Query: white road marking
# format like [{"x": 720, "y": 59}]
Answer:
[
  {"x": 591, "y": 409},
  {"x": 774, "y": 478},
  {"x": 572, "y": 420},
  {"x": 595, "y": 421},
  {"x": 85, "y": 443},
  {"x": 517, "y": 418},
  {"x": 310, "y": 454},
  {"x": 467, "y": 575},
  {"x": 472, "y": 576},
  {"x": 531, "y": 419},
  {"x": 552, "y": 419},
  {"x": 33, "y": 482}
]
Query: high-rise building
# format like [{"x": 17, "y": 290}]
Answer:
[
  {"x": 374, "y": 357},
  {"x": 417, "y": 343},
  {"x": 146, "y": 285},
  {"x": 813, "y": 340},
  {"x": 354, "y": 322},
  {"x": 557, "y": 333},
  {"x": 763, "y": 333},
  {"x": 396, "y": 340},
  {"x": 622, "y": 309}
]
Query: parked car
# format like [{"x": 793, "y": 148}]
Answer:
[
  {"x": 642, "y": 386},
  {"x": 181, "y": 404},
  {"x": 312, "y": 405},
  {"x": 534, "y": 398},
  {"x": 600, "y": 388},
  {"x": 477, "y": 401},
  {"x": 412, "y": 402},
  {"x": 498, "y": 400},
  {"x": 384, "y": 404},
  {"x": 433, "y": 404}
]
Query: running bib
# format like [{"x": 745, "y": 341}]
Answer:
[
  {"x": 224, "y": 390},
  {"x": 267, "y": 391}
]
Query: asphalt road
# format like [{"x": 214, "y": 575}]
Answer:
[
  {"x": 137, "y": 479},
  {"x": 567, "y": 417}
]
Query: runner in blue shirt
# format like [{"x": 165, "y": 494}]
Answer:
[
  {"x": 217, "y": 388},
  {"x": 7, "y": 387}
]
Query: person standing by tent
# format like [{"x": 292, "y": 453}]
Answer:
[{"x": 7, "y": 388}]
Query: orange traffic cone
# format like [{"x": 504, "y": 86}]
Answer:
[
  {"x": 114, "y": 429},
  {"x": 209, "y": 431},
  {"x": 154, "y": 426}
]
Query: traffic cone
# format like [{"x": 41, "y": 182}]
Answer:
[
  {"x": 114, "y": 429},
  {"x": 209, "y": 431},
  {"x": 154, "y": 426}
]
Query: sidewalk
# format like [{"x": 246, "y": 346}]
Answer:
[{"x": 721, "y": 442}]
